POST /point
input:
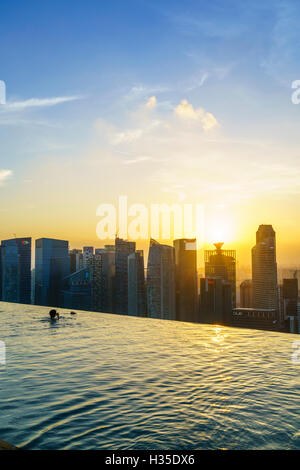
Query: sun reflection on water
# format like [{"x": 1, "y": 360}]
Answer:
[{"x": 219, "y": 335}]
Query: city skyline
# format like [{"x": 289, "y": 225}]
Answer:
[
  {"x": 144, "y": 246},
  {"x": 115, "y": 279}
]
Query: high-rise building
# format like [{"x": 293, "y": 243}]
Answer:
[
  {"x": 288, "y": 300},
  {"x": 76, "y": 260},
  {"x": 91, "y": 288},
  {"x": 264, "y": 269},
  {"x": 104, "y": 278},
  {"x": 215, "y": 301},
  {"x": 16, "y": 270},
  {"x": 290, "y": 295},
  {"x": 161, "y": 281},
  {"x": 123, "y": 249},
  {"x": 52, "y": 265},
  {"x": 186, "y": 287},
  {"x": 222, "y": 264},
  {"x": 136, "y": 285},
  {"x": 246, "y": 294},
  {"x": 88, "y": 253},
  {"x": 77, "y": 289}
]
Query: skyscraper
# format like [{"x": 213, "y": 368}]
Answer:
[
  {"x": 136, "y": 284},
  {"x": 222, "y": 264},
  {"x": 288, "y": 301},
  {"x": 186, "y": 279},
  {"x": 161, "y": 281},
  {"x": 264, "y": 269},
  {"x": 88, "y": 253},
  {"x": 246, "y": 293},
  {"x": 76, "y": 260},
  {"x": 103, "y": 279},
  {"x": 123, "y": 249},
  {"x": 77, "y": 290},
  {"x": 215, "y": 301},
  {"x": 16, "y": 270},
  {"x": 52, "y": 265}
]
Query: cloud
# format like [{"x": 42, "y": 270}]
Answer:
[
  {"x": 39, "y": 102},
  {"x": 185, "y": 110},
  {"x": 137, "y": 160},
  {"x": 209, "y": 121},
  {"x": 151, "y": 103},
  {"x": 131, "y": 135},
  {"x": 4, "y": 175},
  {"x": 138, "y": 92},
  {"x": 143, "y": 159}
]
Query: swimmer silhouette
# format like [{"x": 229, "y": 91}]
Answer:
[{"x": 54, "y": 315}]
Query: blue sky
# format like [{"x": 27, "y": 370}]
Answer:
[{"x": 79, "y": 75}]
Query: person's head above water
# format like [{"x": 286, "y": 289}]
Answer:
[{"x": 53, "y": 314}]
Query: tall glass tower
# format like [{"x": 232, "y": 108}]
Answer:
[
  {"x": 52, "y": 265},
  {"x": 16, "y": 270},
  {"x": 221, "y": 264},
  {"x": 186, "y": 279},
  {"x": 136, "y": 284},
  {"x": 123, "y": 249},
  {"x": 264, "y": 269},
  {"x": 161, "y": 281}
]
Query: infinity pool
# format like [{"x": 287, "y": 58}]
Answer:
[{"x": 100, "y": 381}]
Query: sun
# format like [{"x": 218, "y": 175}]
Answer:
[{"x": 220, "y": 229}]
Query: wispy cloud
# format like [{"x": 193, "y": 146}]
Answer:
[
  {"x": 4, "y": 175},
  {"x": 39, "y": 102},
  {"x": 142, "y": 159},
  {"x": 141, "y": 91}
]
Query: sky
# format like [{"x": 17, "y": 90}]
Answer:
[{"x": 164, "y": 102}]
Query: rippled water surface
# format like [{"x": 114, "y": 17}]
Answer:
[{"x": 99, "y": 381}]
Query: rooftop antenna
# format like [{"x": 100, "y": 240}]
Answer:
[{"x": 219, "y": 246}]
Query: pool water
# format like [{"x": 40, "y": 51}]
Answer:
[{"x": 100, "y": 381}]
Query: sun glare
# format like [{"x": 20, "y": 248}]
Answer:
[{"x": 220, "y": 230}]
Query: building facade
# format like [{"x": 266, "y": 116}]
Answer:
[
  {"x": 77, "y": 290},
  {"x": 161, "y": 281},
  {"x": 52, "y": 265},
  {"x": 104, "y": 280},
  {"x": 87, "y": 255},
  {"x": 246, "y": 294},
  {"x": 221, "y": 264},
  {"x": 215, "y": 301},
  {"x": 123, "y": 249},
  {"x": 137, "y": 304},
  {"x": 186, "y": 286},
  {"x": 16, "y": 270},
  {"x": 264, "y": 269},
  {"x": 256, "y": 318},
  {"x": 76, "y": 260}
]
